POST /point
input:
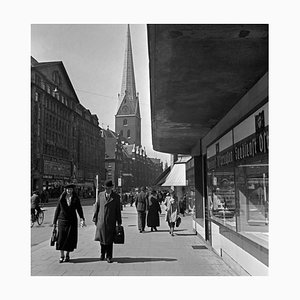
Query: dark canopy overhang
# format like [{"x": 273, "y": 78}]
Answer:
[{"x": 197, "y": 74}]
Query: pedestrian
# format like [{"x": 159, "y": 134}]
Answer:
[
  {"x": 131, "y": 198},
  {"x": 35, "y": 203},
  {"x": 141, "y": 207},
  {"x": 106, "y": 216},
  {"x": 65, "y": 216},
  {"x": 167, "y": 200},
  {"x": 182, "y": 205},
  {"x": 153, "y": 211},
  {"x": 172, "y": 211}
]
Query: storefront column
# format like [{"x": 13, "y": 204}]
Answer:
[{"x": 199, "y": 188}]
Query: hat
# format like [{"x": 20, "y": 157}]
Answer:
[
  {"x": 108, "y": 183},
  {"x": 70, "y": 186}
]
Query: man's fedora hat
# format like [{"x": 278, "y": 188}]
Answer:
[
  {"x": 108, "y": 183},
  {"x": 70, "y": 186}
]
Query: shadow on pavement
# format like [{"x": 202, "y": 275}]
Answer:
[
  {"x": 84, "y": 260},
  {"x": 164, "y": 230},
  {"x": 128, "y": 260},
  {"x": 185, "y": 234}
]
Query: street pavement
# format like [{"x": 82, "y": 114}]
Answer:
[{"x": 143, "y": 254}]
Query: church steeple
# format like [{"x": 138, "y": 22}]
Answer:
[
  {"x": 128, "y": 118},
  {"x": 128, "y": 80}
]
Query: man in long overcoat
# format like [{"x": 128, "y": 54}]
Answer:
[
  {"x": 141, "y": 203},
  {"x": 107, "y": 214}
]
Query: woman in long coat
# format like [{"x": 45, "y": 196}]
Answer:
[
  {"x": 107, "y": 214},
  {"x": 172, "y": 212},
  {"x": 65, "y": 215},
  {"x": 153, "y": 211}
]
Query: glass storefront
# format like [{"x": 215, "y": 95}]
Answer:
[{"x": 238, "y": 178}]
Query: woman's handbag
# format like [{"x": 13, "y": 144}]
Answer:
[
  {"x": 119, "y": 237},
  {"x": 178, "y": 221},
  {"x": 53, "y": 237}
]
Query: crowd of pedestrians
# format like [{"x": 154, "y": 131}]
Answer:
[{"x": 107, "y": 215}]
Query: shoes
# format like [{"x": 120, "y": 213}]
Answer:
[
  {"x": 67, "y": 259},
  {"x": 101, "y": 257},
  {"x": 172, "y": 234},
  {"x": 141, "y": 231},
  {"x": 155, "y": 228},
  {"x": 109, "y": 260},
  {"x": 61, "y": 260}
]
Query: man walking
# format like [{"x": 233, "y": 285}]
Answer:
[
  {"x": 107, "y": 214},
  {"x": 141, "y": 203}
]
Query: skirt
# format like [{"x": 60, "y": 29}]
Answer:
[{"x": 67, "y": 235}]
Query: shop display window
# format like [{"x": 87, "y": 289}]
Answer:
[
  {"x": 252, "y": 191},
  {"x": 221, "y": 196}
]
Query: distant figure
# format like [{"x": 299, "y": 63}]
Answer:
[
  {"x": 172, "y": 212},
  {"x": 35, "y": 202},
  {"x": 182, "y": 205},
  {"x": 153, "y": 211},
  {"x": 65, "y": 215},
  {"x": 106, "y": 216},
  {"x": 131, "y": 198},
  {"x": 141, "y": 207},
  {"x": 167, "y": 200}
]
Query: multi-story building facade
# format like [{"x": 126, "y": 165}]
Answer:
[{"x": 66, "y": 141}]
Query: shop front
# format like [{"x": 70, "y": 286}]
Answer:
[{"x": 238, "y": 193}]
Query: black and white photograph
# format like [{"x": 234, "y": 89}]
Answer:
[
  {"x": 178, "y": 157},
  {"x": 146, "y": 151}
]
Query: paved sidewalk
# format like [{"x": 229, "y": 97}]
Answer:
[{"x": 143, "y": 254}]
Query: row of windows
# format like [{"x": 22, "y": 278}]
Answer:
[
  {"x": 56, "y": 138},
  {"x": 53, "y": 91},
  {"x": 55, "y": 123},
  {"x": 56, "y": 108},
  {"x": 55, "y": 151}
]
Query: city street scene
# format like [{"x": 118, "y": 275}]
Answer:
[{"x": 149, "y": 150}]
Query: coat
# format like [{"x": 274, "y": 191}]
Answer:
[
  {"x": 106, "y": 214},
  {"x": 35, "y": 201},
  {"x": 141, "y": 201},
  {"x": 172, "y": 211},
  {"x": 153, "y": 212},
  {"x": 67, "y": 222}
]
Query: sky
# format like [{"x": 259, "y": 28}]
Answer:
[{"x": 93, "y": 55}]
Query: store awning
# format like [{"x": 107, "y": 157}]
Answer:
[
  {"x": 177, "y": 176},
  {"x": 162, "y": 177}
]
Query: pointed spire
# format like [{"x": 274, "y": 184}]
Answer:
[{"x": 128, "y": 80}]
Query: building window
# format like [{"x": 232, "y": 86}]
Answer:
[
  {"x": 38, "y": 80},
  {"x": 36, "y": 98},
  {"x": 125, "y": 122},
  {"x": 128, "y": 133}
]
